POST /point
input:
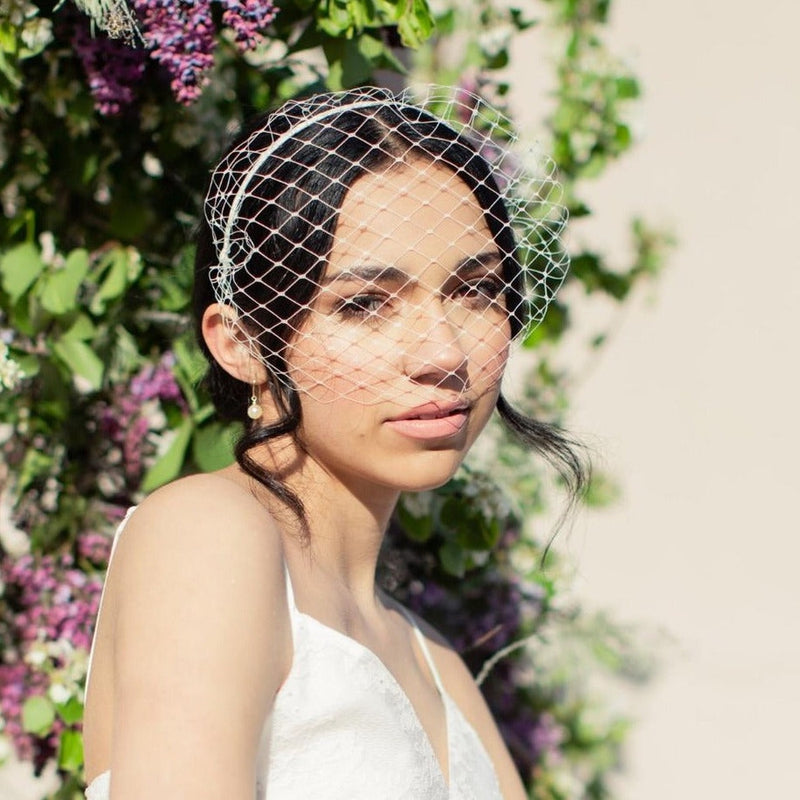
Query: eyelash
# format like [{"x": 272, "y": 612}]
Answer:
[
  {"x": 479, "y": 294},
  {"x": 361, "y": 306}
]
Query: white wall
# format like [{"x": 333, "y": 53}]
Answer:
[{"x": 695, "y": 402}]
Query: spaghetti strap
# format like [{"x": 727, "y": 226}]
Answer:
[
  {"x": 289, "y": 588},
  {"x": 114, "y": 542},
  {"x": 423, "y": 645}
]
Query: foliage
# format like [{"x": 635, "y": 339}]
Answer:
[{"x": 104, "y": 142}]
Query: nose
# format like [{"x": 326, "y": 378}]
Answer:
[{"x": 436, "y": 356}]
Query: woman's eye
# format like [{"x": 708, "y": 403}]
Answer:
[
  {"x": 481, "y": 292},
  {"x": 360, "y": 306}
]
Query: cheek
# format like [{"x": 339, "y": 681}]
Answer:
[
  {"x": 488, "y": 349},
  {"x": 333, "y": 364}
]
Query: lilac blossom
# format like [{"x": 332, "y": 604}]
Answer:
[
  {"x": 52, "y": 605},
  {"x": 547, "y": 737},
  {"x": 130, "y": 423},
  {"x": 248, "y": 19},
  {"x": 181, "y": 37},
  {"x": 94, "y": 547},
  {"x": 113, "y": 68}
]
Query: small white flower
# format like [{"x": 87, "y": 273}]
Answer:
[
  {"x": 36, "y": 655},
  {"x": 102, "y": 195},
  {"x": 153, "y": 413},
  {"x": 37, "y": 34},
  {"x": 10, "y": 371},
  {"x": 152, "y": 166},
  {"x": 495, "y": 39},
  {"x": 59, "y": 693},
  {"x": 418, "y": 504},
  {"x": 13, "y": 539},
  {"x": 10, "y": 199},
  {"x": 569, "y": 785},
  {"x": 82, "y": 385},
  {"x": 109, "y": 484},
  {"x": 48, "y": 244},
  {"x": 114, "y": 456}
]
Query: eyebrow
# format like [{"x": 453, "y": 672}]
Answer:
[
  {"x": 369, "y": 273},
  {"x": 485, "y": 260},
  {"x": 381, "y": 273}
]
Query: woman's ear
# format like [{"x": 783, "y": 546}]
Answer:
[{"x": 230, "y": 346}]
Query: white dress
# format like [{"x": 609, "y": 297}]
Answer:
[{"x": 342, "y": 728}]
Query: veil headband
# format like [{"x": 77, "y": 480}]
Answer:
[{"x": 327, "y": 268}]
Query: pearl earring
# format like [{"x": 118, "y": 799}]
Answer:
[{"x": 254, "y": 410}]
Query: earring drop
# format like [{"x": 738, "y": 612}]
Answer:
[{"x": 254, "y": 410}]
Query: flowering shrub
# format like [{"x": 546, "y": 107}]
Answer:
[
  {"x": 106, "y": 127},
  {"x": 51, "y": 603}
]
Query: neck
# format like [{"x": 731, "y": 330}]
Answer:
[{"x": 346, "y": 520}]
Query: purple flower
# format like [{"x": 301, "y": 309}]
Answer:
[
  {"x": 94, "y": 547},
  {"x": 247, "y": 19},
  {"x": 130, "y": 425},
  {"x": 112, "y": 67},
  {"x": 547, "y": 737},
  {"x": 181, "y": 37},
  {"x": 51, "y": 608}
]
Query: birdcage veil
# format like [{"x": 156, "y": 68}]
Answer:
[{"x": 357, "y": 233}]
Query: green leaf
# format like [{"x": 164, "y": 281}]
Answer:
[
  {"x": 59, "y": 293},
  {"x": 83, "y": 329},
  {"x": 81, "y": 360},
  {"x": 416, "y": 24},
  {"x": 125, "y": 357},
  {"x": 9, "y": 37},
  {"x": 189, "y": 369},
  {"x": 348, "y": 66},
  {"x": 189, "y": 359},
  {"x": 71, "y": 711},
  {"x": 627, "y": 88},
  {"x": 498, "y": 60},
  {"x": 212, "y": 446},
  {"x": 453, "y": 559},
  {"x": 622, "y": 137},
  {"x": 519, "y": 21},
  {"x": 34, "y": 464},
  {"x": 122, "y": 270},
  {"x": 379, "y": 54},
  {"x": 19, "y": 268},
  {"x": 338, "y": 18},
  {"x": 454, "y": 513},
  {"x": 38, "y": 715},
  {"x": 70, "y": 751},
  {"x": 169, "y": 465},
  {"x": 420, "y": 529}
]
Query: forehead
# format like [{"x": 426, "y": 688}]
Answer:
[{"x": 414, "y": 209}]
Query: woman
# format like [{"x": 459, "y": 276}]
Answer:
[{"x": 357, "y": 290}]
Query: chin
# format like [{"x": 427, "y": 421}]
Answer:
[{"x": 421, "y": 477}]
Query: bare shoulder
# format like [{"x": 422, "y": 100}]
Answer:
[
  {"x": 202, "y": 518},
  {"x": 201, "y": 547},
  {"x": 201, "y": 638},
  {"x": 461, "y": 686}
]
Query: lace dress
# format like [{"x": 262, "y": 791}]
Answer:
[{"x": 342, "y": 728}]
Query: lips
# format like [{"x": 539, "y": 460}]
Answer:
[{"x": 435, "y": 420}]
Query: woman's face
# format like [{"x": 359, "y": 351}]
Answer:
[{"x": 398, "y": 362}]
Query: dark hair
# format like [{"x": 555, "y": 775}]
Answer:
[{"x": 294, "y": 199}]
